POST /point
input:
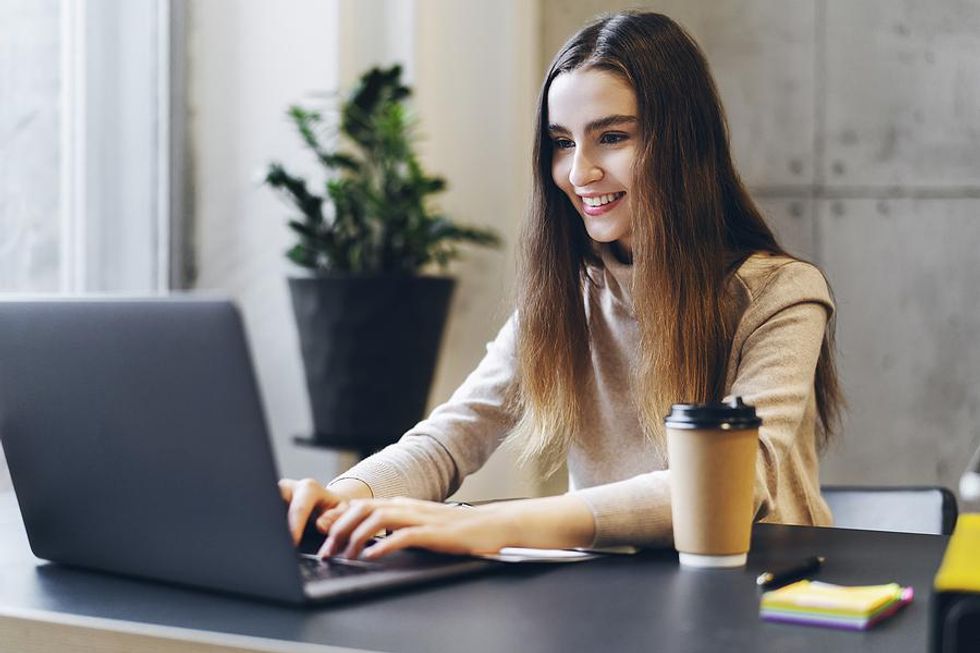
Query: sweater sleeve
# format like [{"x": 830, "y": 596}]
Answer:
[
  {"x": 431, "y": 460},
  {"x": 780, "y": 335},
  {"x": 776, "y": 375}
]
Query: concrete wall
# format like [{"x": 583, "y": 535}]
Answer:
[{"x": 857, "y": 126}]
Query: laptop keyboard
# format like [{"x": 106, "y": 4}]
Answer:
[{"x": 314, "y": 569}]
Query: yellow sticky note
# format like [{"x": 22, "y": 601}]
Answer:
[{"x": 830, "y": 599}]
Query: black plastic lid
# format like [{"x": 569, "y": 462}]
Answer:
[{"x": 731, "y": 415}]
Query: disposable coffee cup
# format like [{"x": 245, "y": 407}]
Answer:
[{"x": 712, "y": 450}]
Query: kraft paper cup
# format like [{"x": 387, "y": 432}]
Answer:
[{"x": 712, "y": 450}]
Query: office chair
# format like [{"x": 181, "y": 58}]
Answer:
[{"x": 920, "y": 509}]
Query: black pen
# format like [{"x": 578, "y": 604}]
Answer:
[{"x": 780, "y": 577}]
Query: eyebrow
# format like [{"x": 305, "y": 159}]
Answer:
[{"x": 595, "y": 125}]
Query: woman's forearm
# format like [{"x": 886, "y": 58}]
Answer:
[
  {"x": 549, "y": 523},
  {"x": 558, "y": 522}
]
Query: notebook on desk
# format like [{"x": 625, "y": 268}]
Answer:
[{"x": 137, "y": 444}]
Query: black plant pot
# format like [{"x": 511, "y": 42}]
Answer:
[{"x": 369, "y": 349}]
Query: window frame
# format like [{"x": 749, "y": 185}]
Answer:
[{"x": 122, "y": 131}]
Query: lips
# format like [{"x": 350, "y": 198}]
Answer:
[{"x": 605, "y": 208}]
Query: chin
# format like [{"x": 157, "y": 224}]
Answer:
[{"x": 605, "y": 237}]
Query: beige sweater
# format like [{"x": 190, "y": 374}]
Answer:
[{"x": 784, "y": 305}]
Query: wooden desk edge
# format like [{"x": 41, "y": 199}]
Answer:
[{"x": 41, "y": 631}]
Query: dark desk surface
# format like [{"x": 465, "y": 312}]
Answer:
[{"x": 629, "y": 603}]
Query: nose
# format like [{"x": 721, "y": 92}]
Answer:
[{"x": 584, "y": 170}]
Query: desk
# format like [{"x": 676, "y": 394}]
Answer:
[{"x": 629, "y": 603}]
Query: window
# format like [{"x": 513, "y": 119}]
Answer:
[{"x": 85, "y": 145}]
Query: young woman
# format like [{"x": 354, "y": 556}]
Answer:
[{"x": 648, "y": 278}]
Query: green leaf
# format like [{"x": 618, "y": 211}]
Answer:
[
  {"x": 442, "y": 229},
  {"x": 295, "y": 190},
  {"x": 377, "y": 217},
  {"x": 340, "y": 160},
  {"x": 302, "y": 256}
]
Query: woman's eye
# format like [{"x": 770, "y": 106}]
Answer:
[
  {"x": 613, "y": 138},
  {"x": 563, "y": 143}
]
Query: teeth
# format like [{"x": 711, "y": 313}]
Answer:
[{"x": 602, "y": 199}]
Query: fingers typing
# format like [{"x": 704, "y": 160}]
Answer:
[{"x": 305, "y": 498}]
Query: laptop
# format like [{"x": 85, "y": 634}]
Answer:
[{"x": 137, "y": 444}]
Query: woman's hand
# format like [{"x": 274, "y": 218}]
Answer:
[
  {"x": 307, "y": 498},
  {"x": 425, "y": 524},
  {"x": 552, "y": 522}
]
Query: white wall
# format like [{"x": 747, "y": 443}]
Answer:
[
  {"x": 477, "y": 72},
  {"x": 475, "y": 69},
  {"x": 247, "y": 61}
]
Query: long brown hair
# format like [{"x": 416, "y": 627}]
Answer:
[{"x": 698, "y": 225}]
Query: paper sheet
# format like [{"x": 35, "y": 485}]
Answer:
[{"x": 520, "y": 554}]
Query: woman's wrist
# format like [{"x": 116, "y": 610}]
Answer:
[{"x": 559, "y": 522}]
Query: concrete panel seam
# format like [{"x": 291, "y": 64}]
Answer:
[{"x": 818, "y": 192}]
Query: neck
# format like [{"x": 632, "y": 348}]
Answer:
[{"x": 622, "y": 251}]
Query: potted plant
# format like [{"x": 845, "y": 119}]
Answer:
[{"x": 369, "y": 321}]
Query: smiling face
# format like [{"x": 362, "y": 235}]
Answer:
[{"x": 593, "y": 125}]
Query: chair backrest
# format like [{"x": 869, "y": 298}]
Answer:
[{"x": 930, "y": 509}]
